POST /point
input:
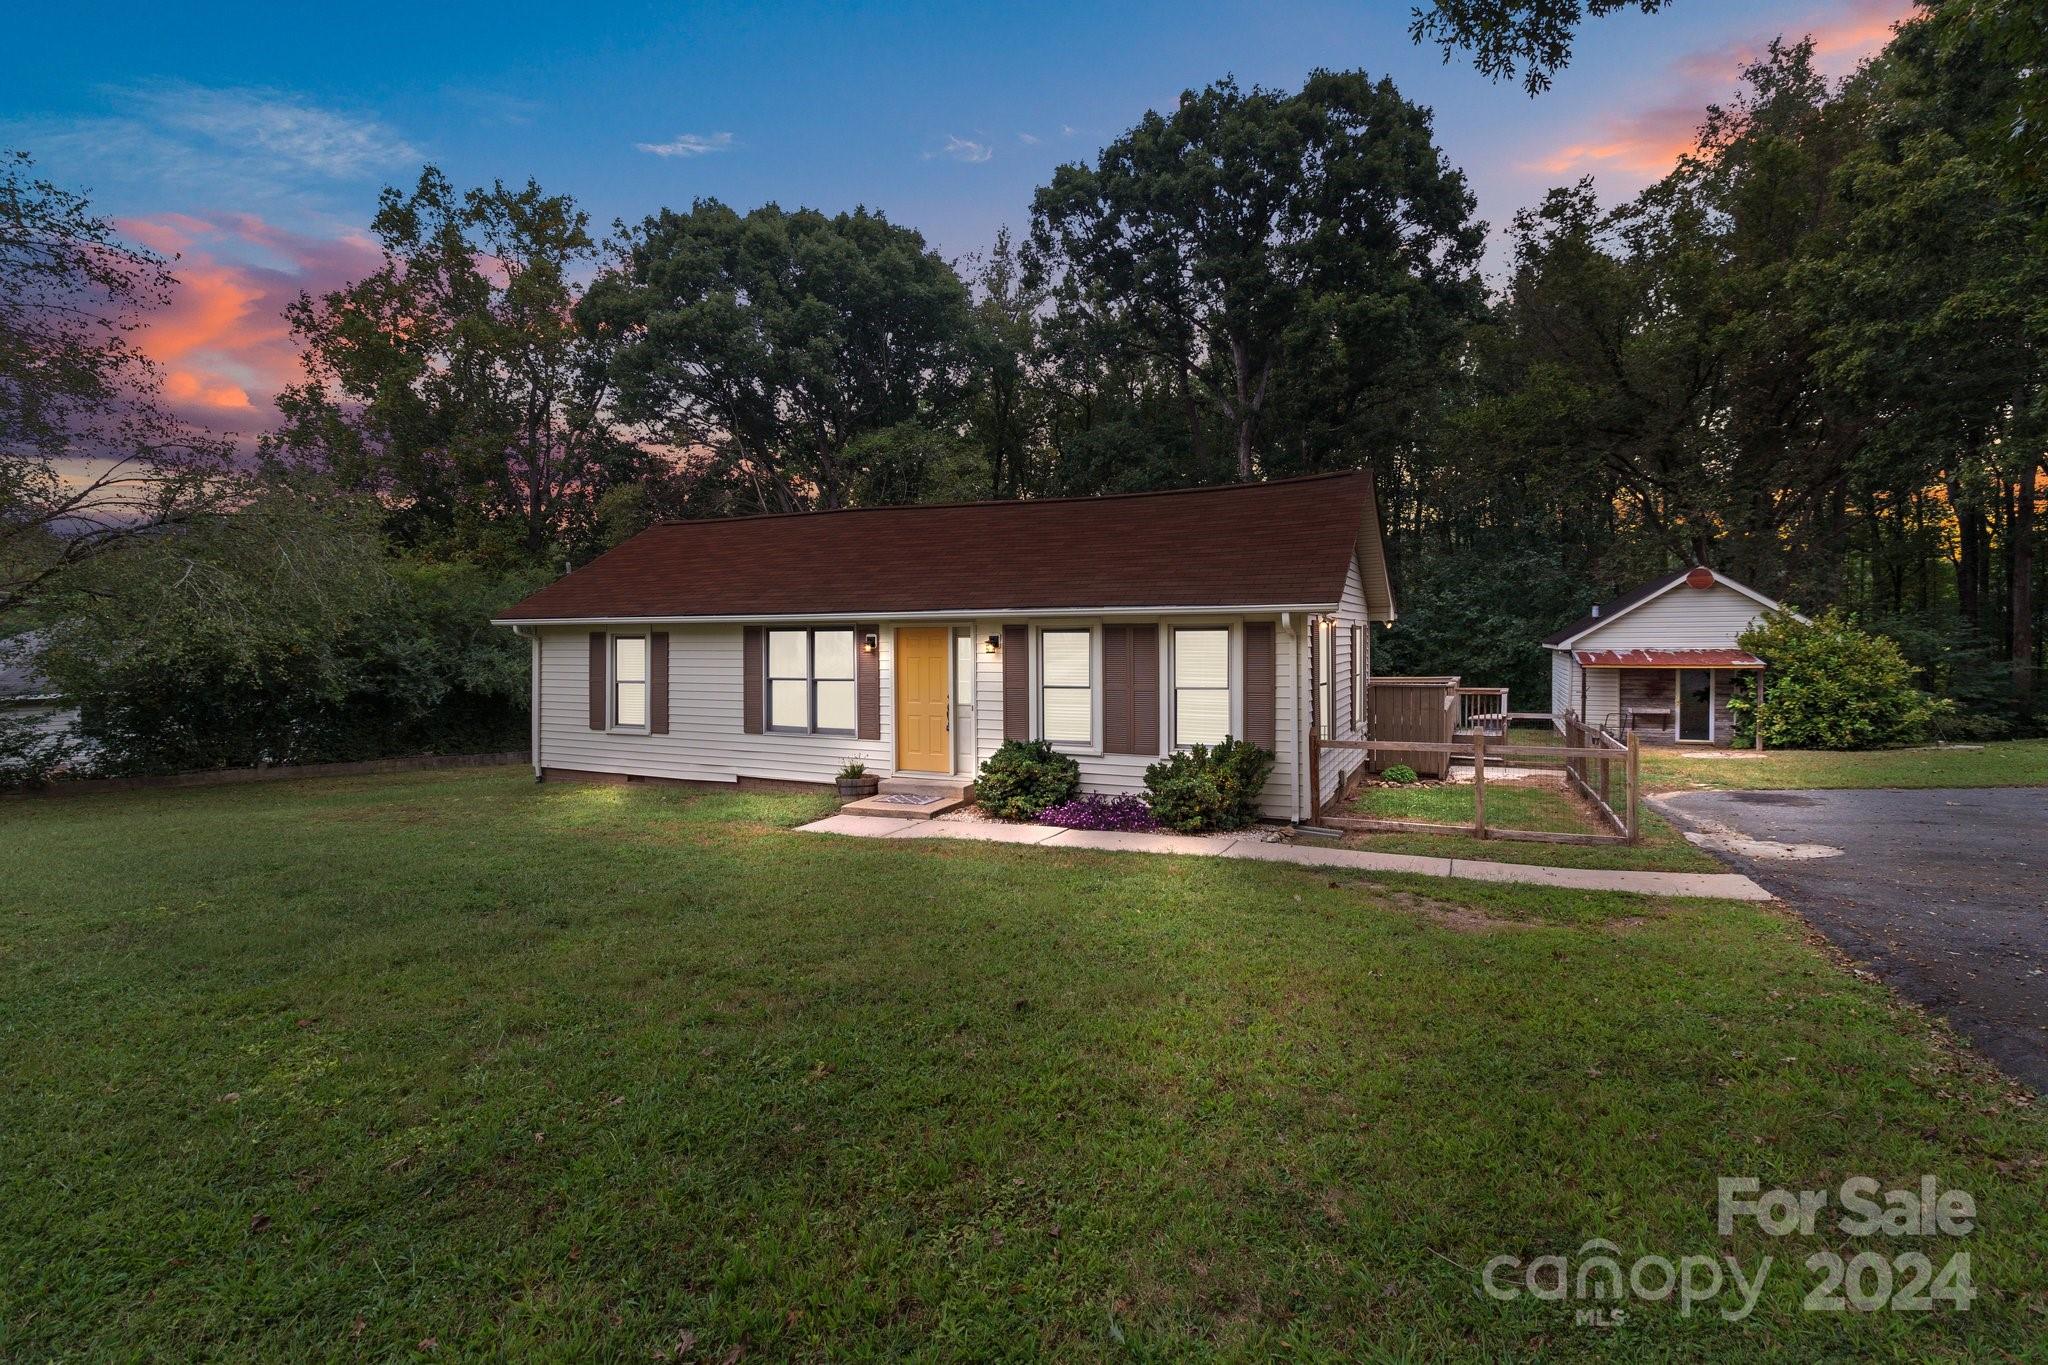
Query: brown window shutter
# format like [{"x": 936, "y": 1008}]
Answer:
[
  {"x": 1016, "y": 682},
  {"x": 867, "y": 687},
  {"x": 657, "y": 682},
  {"x": 1259, "y": 673},
  {"x": 1117, "y": 710},
  {"x": 1144, "y": 690},
  {"x": 600, "y": 678},
  {"x": 753, "y": 651}
]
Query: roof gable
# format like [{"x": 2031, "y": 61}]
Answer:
[
  {"x": 1278, "y": 545},
  {"x": 1607, "y": 613}
]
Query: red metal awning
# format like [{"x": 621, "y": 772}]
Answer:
[{"x": 1667, "y": 658}]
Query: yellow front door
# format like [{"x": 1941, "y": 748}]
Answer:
[{"x": 923, "y": 739}]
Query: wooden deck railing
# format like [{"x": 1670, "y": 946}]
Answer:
[{"x": 1482, "y": 708}]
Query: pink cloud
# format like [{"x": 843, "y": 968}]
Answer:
[
  {"x": 1646, "y": 144},
  {"x": 222, "y": 342}
]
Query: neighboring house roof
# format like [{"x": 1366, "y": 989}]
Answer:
[
  {"x": 1667, "y": 658},
  {"x": 1285, "y": 544},
  {"x": 1608, "y": 612}
]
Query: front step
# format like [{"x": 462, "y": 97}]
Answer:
[
  {"x": 913, "y": 798},
  {"x": 962, "y": 787}
]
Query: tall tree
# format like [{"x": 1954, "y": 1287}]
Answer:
[
  {"x": 1533, "y": 37},
  {"x": 1213, "y": 241},
  {"x": 454, "y": 383},
  {"x": 1931, "y": 306},
  {"x": 777, "y": 339},
  {"x": 89, "y": 455}
]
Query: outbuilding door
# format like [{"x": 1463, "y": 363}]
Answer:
[
  {"x": 1696, "y": 705},
  {"x": 924, "y": 734}
]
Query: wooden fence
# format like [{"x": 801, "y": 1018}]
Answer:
[{"x": 1589, "y": 756}]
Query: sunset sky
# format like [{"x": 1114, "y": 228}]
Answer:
[{"x": 251, "y": 140}]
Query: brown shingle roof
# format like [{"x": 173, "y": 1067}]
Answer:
[{"x": 1285, "y": 543}]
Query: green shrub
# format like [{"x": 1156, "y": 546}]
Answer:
[
  {"x": 1830, "y": 685},
  {"x": 1200, "y": 789},
  {"x": 1398, "y": 772},
  {"x": 1025, "y": 777}
]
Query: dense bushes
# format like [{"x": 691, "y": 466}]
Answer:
[
  {"x": 286, "y": 634},
  {"x": 1207, "y": 788},
  {"x": 1024, "y": 778},
  {"x": 1830, "y": 685}
]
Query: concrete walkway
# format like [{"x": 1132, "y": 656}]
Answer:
[{"x": 1718, "y": 886}]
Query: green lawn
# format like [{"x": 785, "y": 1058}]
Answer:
[
  {"x": 1542, "y": 806},
  {"x": 335, "y": 1069},
  {"x": 2007, "y": 763}
]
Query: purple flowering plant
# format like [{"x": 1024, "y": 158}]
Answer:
[{"x": 1095, "y": 811}]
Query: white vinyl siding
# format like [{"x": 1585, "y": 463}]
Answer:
[
  {"x": 1683, "y": 618},
  {"x": 1066, "y": 708},
  {"x": 1350, "y": 664},
  {"x": 1201, "y": 685}
]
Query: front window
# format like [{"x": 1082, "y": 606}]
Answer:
[
  {"x": 1326, "y": 639},
  {"x": 1066, "y": 687},
  {"x": 629, "y": 682},
  {"x": 810, "y": 681},
  {"x": 1358, "y": 676},
  {"x": 1201, "y": 686}
]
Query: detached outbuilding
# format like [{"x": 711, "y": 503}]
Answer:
[
  {"x": 1661, "y": 661},
  {"x": 915, "y": 640}
]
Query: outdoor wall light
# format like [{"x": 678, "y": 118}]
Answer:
[
  {"x": 869, "y": 641},
  {"x": 993, "y": 643}
]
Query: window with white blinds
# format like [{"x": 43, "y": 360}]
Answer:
[
  {"x": 629, "y": 682},
  {"x": 810, "y": 681},
  {"x": 1201, "y": 686},
  {"x": 1066, "y": 687}
]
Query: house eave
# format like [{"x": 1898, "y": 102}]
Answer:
[{"x": 948, "y": 614}]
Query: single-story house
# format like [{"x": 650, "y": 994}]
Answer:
[
  {"x": 773, "y": 649},
  {"x": 1661, "y": 660}
]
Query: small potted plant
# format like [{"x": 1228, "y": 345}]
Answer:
[{"x": 856, "y": 781}]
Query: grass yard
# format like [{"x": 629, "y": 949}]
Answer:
[
  {"x": 452, "y": 1062},
  {"x": 1532, "y": 805},
  {"x": 2005, "y": 763}
]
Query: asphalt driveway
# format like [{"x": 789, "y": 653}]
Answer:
[{"x": 1942, "y": 893}]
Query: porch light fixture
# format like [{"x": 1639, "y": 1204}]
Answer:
[
  {"x": 868, "y": 642},
  {"x": 992, "y": 644}
]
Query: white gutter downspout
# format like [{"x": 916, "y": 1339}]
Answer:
[{"x": 533, "y": 698}]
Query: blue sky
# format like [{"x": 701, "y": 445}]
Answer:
[{"x": 253, "y": 138}]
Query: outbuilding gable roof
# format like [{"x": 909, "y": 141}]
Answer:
[
  {"x": 1285, "y": 544},
  {"x": 1608, "y": 612}
]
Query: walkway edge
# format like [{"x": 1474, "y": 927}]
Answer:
[{"x": 1709, "y": 885}]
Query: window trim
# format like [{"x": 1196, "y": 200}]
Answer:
[
  {"x": 810, "y": 680},
  {"x": 612, "y": 681},
  {"x": 1358, "y": 675},
  {"x": 1323, "y": 686},
  {"x": 1093, "y": 630},
  {"x": 1233, "y": 691}
]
